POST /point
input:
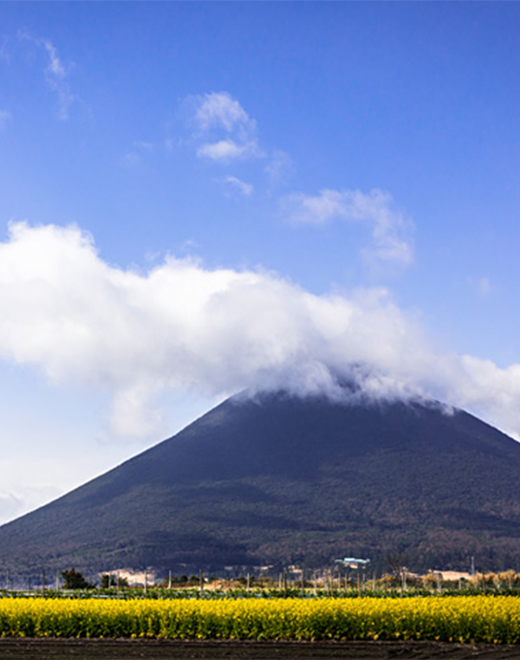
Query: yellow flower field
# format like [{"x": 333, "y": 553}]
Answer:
[{"x": 460, "y": 618}]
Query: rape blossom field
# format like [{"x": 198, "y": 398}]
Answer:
[{"x": 462, "y": 619}]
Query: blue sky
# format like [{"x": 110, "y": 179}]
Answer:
[{"x": 201, "y": 197}]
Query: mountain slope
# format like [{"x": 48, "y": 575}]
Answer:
[{"x": 285, "y": 480}]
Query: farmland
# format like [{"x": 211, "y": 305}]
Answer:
[{"x": 462, "y": 619}]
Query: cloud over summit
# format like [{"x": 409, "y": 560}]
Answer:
[{"x": 180, "y": 325}]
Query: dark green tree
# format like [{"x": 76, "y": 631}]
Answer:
[{"x": 73, "y": 579}]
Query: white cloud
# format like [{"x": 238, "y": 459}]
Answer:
[
  {"x": 179, "y": 326},
  {"x": 221, "y": 110},
  {"x": 236, "y": 186},
  {"x": 375, "y": 208},
  {"x": 55, "y": 67},
  {"x": 317, "y": 210},
  {"x": 133, "y": 411},
  {"x": 223, "y": 128},
  {"x": 56, "y": 74},
  {"x": 223, "y": 132},
  {"x": 224, "y": 150}
]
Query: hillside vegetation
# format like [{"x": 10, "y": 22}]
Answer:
[{"x": 281, "y": 480}]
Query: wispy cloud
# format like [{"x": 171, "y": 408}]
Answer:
[
  {"x": 280, "y": 167},
  {"x": 224, "y": 130},
  {"x": 56, "y": 73},
  {"x": 236, "y": 186},
  {"x": 180, "y": 325},
  {"x": 55, "y": 67},
  {"x": 376, "y": 208},
  {"x": 221, "y": 110}
]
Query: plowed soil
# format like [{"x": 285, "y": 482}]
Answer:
[{"x": 123, "y": 649}]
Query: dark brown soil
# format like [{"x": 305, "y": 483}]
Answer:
[{"x": 121, "y": 649}]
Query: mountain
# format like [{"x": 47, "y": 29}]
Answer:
[{"x": 280, "y": 480}]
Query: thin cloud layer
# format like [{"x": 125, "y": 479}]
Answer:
[
  {"x": 180, "y": 325},
  {"x": 376, "y": 208}
]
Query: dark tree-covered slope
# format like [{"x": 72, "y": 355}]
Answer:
[{"x": 281, "y": 480}]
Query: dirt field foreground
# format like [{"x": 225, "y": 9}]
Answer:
[{"x": 122, "y": 649}]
